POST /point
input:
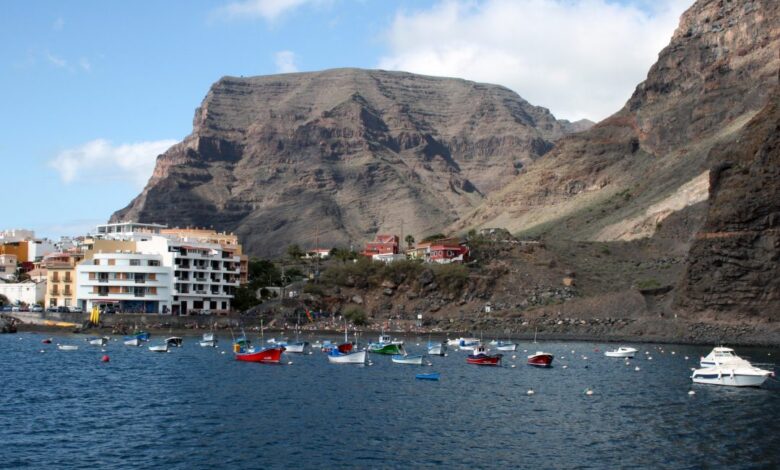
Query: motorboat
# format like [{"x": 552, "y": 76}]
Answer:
[
  {"x": 142, "y": 335},
  {"x": 67, "y": 347},
  {"x": 297, "y": 347},
  {"x": 357, "y": 357},
  {"x": 437, "y": 349},
  {"x": 622, "y": 351},
  {"x": 46, "y": 341},
  {"x": 97, "y": 341},
  {"x": 416, "y": 359},
  {"x": 428, "y": 376},
  {"x": 722, "y": 356},
  {"x": 461, "y": 342},
  {"x": 386, "y": 345},
  {"x": 161, "y": 348},
  {"x": 481, "y": 357},
  {"x": 734, "y": 375},
  {"x": 134, "y": 341},
  {"x": 469, "y": 344},
  {"x": 174, "y": 341},
  {"x": 269, "y": 355},
  {"x": 208, "y": 341},
  {"x": 540, "y": 359},
  {"x": 503, "y": 346}
]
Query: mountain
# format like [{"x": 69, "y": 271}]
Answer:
[
  {"x": 339, "y": 155},
  {"x": 621, "y": 179}
]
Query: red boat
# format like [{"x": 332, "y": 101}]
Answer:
[
  {"x": 345, "y": 347},
  {"x": 540, "y": 359},
  {"x": 480, "y": 357},
  {"x": 267, "y": 355}
]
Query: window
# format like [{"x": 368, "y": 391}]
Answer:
[
  {"x": 154, "y": 262},
  {"x": 135, "y": 262},
  {"x": 96, "y": 262}
]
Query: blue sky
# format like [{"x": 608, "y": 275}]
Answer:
[{"x": 92, "y": 91}]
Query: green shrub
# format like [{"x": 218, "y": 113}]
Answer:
[
  {"x": 356, "y": 315},
  {"x": 451, "y": 277}
]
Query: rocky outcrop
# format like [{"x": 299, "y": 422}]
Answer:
[
  {"x": 734, "y": 263},
  {"x": 341, "y": 154},
  {"x": 717, "y": 72}
]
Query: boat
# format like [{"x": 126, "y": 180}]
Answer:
[
  {"x": 142, "y": 335},
  {"x": 540, "y": 359},
  {"x": 132, "y": 341},
  {"x": 622, "y": 351},
  {"x": 469, "y": 344},
  {"x": 46, "y": 341},
  {"x": 460, "y": 342},
  {"x": 504, "y": 346},
  {"x": 174, "y": 341},
  {"x": 159, "y": 348},
  {"x": 436, "y": 349},
  {"x": 481, "y": 357},
  {"x": 67, "y": 347},
  {"x": 208, "y": 341},
  {"x": 734, "y": 375},
  {"x": 722, "y": 356},
  {"x": 416, "y": 359},
  {"x": 297, "y": 347},
  {"x": 357, "y": 357},
  {"x": 97, "y": 341},
  {"x": 428, "y": 376},
  {"x": 386, "y": 345},
  {"x": 269, "y": 355}
]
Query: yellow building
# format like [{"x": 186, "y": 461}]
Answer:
[{"x": 61, "y": 279}]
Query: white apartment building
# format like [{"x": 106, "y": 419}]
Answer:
[
  {"x": 125, "y": 281},
  {"x": 16, "y": 235},
  {"x": 29, "y": 293},
  {"x": 205, "y": 275},
  {"x": 8, "y": 267}
]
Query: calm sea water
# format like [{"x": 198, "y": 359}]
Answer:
[{"x": 198, "y": 408}]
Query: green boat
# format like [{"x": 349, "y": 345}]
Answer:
[{"x": 386, "y": 346}]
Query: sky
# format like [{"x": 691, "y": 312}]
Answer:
[{"x": 92, "y": 91}]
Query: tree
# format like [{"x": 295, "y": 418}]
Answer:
[
  {"x": 294, "y": 251},
  {"x": 263, "y": 273},
  {"x": 435, "y": 236},
  {"x": 409, "y": 239},
  {"x": 244, "y": 298}
]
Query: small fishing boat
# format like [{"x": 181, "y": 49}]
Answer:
[
  {"x": 97, "y": 341},
  {"x": 46, "y": 341},
  {"x": 142, "y": 335},
  {"x": 481, "y": 357},
  {"x": 722, "y": 356},
  {"x": 504, "y": 346},
  {"x": 540, "y": 359},
  {"x": 208, "y": 341},
  {"x": 428, "y": 376},
  {"x": 386, "y": 345},
  {"x": 67, "y": 347},
  {"x": 132, "y": 341},
  {"x": 436, "y": 349},
  {"x": 297, "y": 347},
  {"x": 174, "y": 341},
  {"x": 337, "y": 357},
  {"x": 461, "y": 342},
  {"x": 269, "y": 355},
  {"x": 731, "y": 375},
  {"x": 416, "y": 359},
  {"x": 163, "y": 348},
  {"x": 622, "y": 351}
]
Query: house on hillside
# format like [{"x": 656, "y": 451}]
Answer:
[{"x": 382, "y": 245}]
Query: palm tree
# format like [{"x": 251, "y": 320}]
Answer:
[{"x": 409, "y": 239}]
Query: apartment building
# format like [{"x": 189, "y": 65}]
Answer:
[
  {"x": 8, "y": 267},
  {"x": 61, "y": 278}
]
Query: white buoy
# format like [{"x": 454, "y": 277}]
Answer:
[
  {"x": 43, "y": 351},
  {"x": 572, "y": 351},
  {"x": 649, "y": 358},
  {"x": 418, "y": 344},
  {"x": 529, "y": 392},
  {"x": 637, "y": 368},
  {"x": 565, "y": 367},
  {"x": 686, "y": 358},
  {"x": 446, "y": 354},
  {"x": 223, "y": 352},
  {"x": 672, "y": 353},
  {"x": 513, "y": 366},
  {"x": 310, "y": 353},
  {"x": 691, "y": 392},
  {"x": 289, "y": 363},
  {"x": 584, "y": 358},
  {"x": 588, "y": 392},
  {"x": 525, "y": 350},
  {"x": 514, "y": 356}
]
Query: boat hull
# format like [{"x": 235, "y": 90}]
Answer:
[
  {"x": 266, "y": 356},
  {"x": 437, "y": 350},
  {"x": 730, "y": 377},
  {"x": 485, "y": 359},
  {"x": 629, "y": 353},
  {"x": 540, "y": 360},
  {"x": 431, "y": 376},
  {"x": 207, "y": 343},
  {"x": 98, "y": 341},
  {"x": 358, "y": 357},
  {"x": 67, "y": 347},
  {"x": 389, "y": 349},
  {"x": 413, "y": 360},
  {"x": 297, "y": 348},
  {"x": 159, "y": 349},
  {"x": 507, "y": 347},
  {"x": 174, "y": 341},
  {"x": 133, "y": 342}
]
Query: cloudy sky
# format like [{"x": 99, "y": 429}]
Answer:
[{"x": 93, "y": 91}]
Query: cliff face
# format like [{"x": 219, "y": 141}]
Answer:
[
  {"x": 734, "y": 263},
  {"x": 623, "y": 177},
  {"x": 341, "y": 154}
]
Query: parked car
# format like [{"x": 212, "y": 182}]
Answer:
[
  {"x": 7, "y": 308},
  {"x": 51, "y": 309},
  {"x": 62, "y": 310},
  {"x": 36, "y": 308},
  {"x": 76, "y": 310}
]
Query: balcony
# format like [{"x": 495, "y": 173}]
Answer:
[{"x": 140, "y": 280}]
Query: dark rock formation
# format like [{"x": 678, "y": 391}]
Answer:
[{"x": 342, "y": 154}]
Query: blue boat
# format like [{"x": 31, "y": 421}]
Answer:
[{"x": 429, "y": 376}]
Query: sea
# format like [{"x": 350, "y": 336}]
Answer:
[{"x": 197, "y": 407}]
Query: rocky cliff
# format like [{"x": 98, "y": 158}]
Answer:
[
  {"x": 621, "y": 179},
  {"x": 341, "y": 154},
  {"x": 734, "y": 263}
]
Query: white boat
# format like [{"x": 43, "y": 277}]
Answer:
[
  {"x": 622, "y": 351},
  {"x": 97, "y": 341},
  {"x": 298, "y": 347},
  {"x": 469, "y": 344},
  {"x": 722, "y": 356},
  {"x": 133, "y": 342},
  {"x": 416, "y": 360},
  {"x": 174, "y": 341},
  {"x": 67, "y": 347},
  {"x": 208, "y": 341},
  {"x": 436, "y": 349},
  {"x": 159, "y": 348},
  {"x": 358, "y": 357},
  {"x": 731, "y": 375},
  {"x": 501, "y": 346}
]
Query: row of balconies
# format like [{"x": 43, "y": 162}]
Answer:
[{"x": 57, "y": 292}]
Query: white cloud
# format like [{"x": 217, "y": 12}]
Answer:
[
  {"x": 580, "y": 58},
  {"x": 85, "y": 64},
  {"x": 100, "y": 160},
  {"x": 285, "y": 62},
  {"x": 55, "y": 61},
  {"x": 58, "y": 24},
  {"x": 266, "y": 9}
]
